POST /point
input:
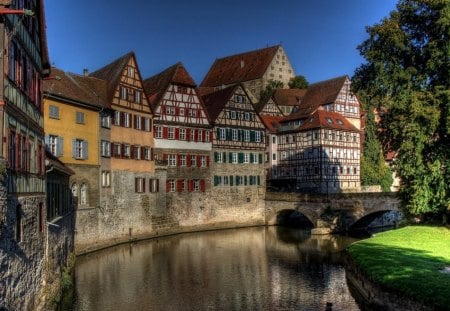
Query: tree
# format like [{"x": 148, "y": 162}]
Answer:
[
  {"x": 298, "y": 82},
  {"x": 272, "y": 85},
  {"x": 407, "y": 73}
]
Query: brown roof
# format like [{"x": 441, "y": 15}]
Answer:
[
  {"x": 271, "y": 122},
  {"x": 240, "y": 67},
  {"x": 57, "y": 165},
  {"x": 322, "y": 119},
  {"x": 215, "y": 102},
  {"x": 72, "y": 87},
  {"x": 321, "y": 93},
  {"x": 156, "y": 86},
  {"x": 112, "y": 73},
  {"x": 288, "y": 97}
]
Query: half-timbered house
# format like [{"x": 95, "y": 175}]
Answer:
[
  {"x": 238, "y": 140},
  {"x": 182, "y": 132},
  {"x": 288, "y": 100},
  {"x": 254, "y": 69}
]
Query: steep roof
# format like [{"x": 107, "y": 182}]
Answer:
[
  {"x": 321, "y": 119},
  {"x": 289, "y": 97},
  {"x": 112, "y": 73},
  {"x": 72, "y": 87},
  {"x": 271, "y": 122},
  {"x": 215, "y": 102},
  {"x": 321, "y": 93},
  {"x": 240, "y": 67},
  {"x": 156, "y": 85}
]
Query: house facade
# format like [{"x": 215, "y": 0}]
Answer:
[
  {"x": 182, "y": 132},
  {"x": 253, "y": 69}
]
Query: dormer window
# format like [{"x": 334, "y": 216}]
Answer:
[
  {"x": 339, "y": 121},
  {"x": 329, "y": 120}
]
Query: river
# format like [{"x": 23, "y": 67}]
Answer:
[{"x": 259, "y": 268}]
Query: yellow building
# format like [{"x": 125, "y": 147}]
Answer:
[{"x": 71, "y": 124}]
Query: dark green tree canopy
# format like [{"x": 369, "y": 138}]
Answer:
[
  {"x": 298, "y": 82},
  {"x": 272, "y": 85},
  {"x": 407, "y": 76}
]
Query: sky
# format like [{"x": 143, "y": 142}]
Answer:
[{"x": 320, "y": 37}]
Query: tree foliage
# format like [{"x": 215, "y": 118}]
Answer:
[
  {"x": 406, "y": 75},
  {"x": 271, "y": 86},
  {"x": 298, "y": 82}
]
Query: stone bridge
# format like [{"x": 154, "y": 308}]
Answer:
[{"x": 331, "y": 213}]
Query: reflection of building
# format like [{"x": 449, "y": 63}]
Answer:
[
  {"x": 319, "y": 145},
  {"x": 253, "y": 69},
  {"x": 182, "y": 132}
]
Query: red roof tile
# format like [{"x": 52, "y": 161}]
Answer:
[
  {"x": 156, "y": 85},
  {"x": 322, "y": 119},
  {"x": 215, "y": 102},
  {"x": 271, "y": 122},
  {"x": 240, "y": 67},
  {"x": 289, "y": 97}
]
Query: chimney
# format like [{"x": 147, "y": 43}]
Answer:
[
  {"x": 85, "y": 72},
  {"x": 242, "y": 63}
]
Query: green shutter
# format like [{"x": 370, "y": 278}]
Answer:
[
  {"x": 216, "y": 180},
  {"x": 245, "y": 180},
  {"x": 216, "y": 157},
  {"x": 230, "y": 157},
  {"x": 259, "y": 180},
  {"x": 228, "y": 133},
  {"x": 260, "y": 158},
  {"x": 218, "y": 133},
  {"x": 241, "y": 157},
  {"x": 231, "y": 180},
  {"x": 252, "y": 136}
]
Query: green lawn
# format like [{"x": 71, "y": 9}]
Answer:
[{"x": 409, "y": 260}]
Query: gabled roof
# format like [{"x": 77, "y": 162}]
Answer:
[
  {"x": 259, "y": 107},
  {"x": 112, "y": 73},
  {"x": 83, "y": 90},
  {"x": 271, "y": 122},
  {"x": 240, "y": 67},
  {"x": 321, "y": 119},
  {"x": 289, "y": 97},
  {"x": 156, "y": 86},
  {"x": 215, "y": 102},
  {"x": 321, "y": 93}
]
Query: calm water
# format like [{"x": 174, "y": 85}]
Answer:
[{"x": 259, "y": 268}]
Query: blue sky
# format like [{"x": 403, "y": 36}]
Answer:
[{"x": 319, "y": 36}]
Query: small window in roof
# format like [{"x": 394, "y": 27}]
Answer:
[
  {"x": 339, "y": 121},
  {"x": 329, "y": 120},
  {"x": 311, "y": 120}
]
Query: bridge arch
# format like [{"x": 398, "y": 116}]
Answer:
[
  {"x": 293, "y": 218},
  {"x": 377, "y": 218}
]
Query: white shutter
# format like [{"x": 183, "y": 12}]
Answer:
[
  {"x": 85, "y": 149},
  {"x": 59, "y": 146}
]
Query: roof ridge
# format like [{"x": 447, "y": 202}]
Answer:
[{"x": 248, "y": 52}]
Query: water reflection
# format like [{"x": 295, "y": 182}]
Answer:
[{"x": 242, "y": 269}]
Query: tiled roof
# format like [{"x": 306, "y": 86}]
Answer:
[
  {"x": 271, "y": 122},
  {"x": 156, "y": 86},
  {"x": 288, "y": 97},
  {"x": 321, "y": 93},
  {"x": 112, "y": 73},
  {"x": 240, "y": 67},
  {"x": 84, "y": 90},
  {"x": 57, "y": 164},
  {"x": 215, "y": 102},
  {"x": 322, "y": 119}
]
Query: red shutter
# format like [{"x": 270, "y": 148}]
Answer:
[
  {"x": 188, "y": 134},
  {"x": 152, "y": 155},
  {"x": 165, "y": 134},
  {"x": 132, "y": 152},
  {"x": 143, "y": 185},
  {"x": 135, "y": 184},
  {"x": 122, "y": 150},
  {"x": 157, "y": 185},
  {"x": 190, "y": 185},
  {"x": 188, "y": 160},
  {"x": 195, "y": 135},
  {"x": 150, "y": 185},
  {"x": 165, "y": 157},
  {"x": 204, "y": 136},
  {"x": 179, "y": 185},
  {"x": 111, "y": 149},
  {"x": 177, "y": 133},
  {"x": 178, "y": 160},
  {"x": 207, "y": 161},
  {"x": 199, "y": 161},
  {"x": 202, "y": 185},
  {"x": 167, "y": 185},
  {"x": 134, "y": 120}
]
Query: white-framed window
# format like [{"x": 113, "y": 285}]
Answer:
[
  {"x": 158, "y": 132},
  {"x": 196, "y": 185},
  {"x": 147, "y": 153},
  {"x": 172, "y": 160},
  {"x": 181, "y": 112},
  {"x": 233, "y": 114},
  {"x": 117, "y": 149},
  {"x": 255, "y": 158},
  {"x": 234, "y": 133},
  {"x": 171, "y": 185},
  {"x": 203, "y": 161},
  {"x": 79, "y": 117},
  {"x": 139, "y": 183},
  {"x": 83, "y": 194},
  {"x": 192, "y": 138},
  {"x": 192, "y": 113},
  {"x": 246, "y": 135},
  {"x": 247, "y": 116},
  {"x": 183, "y": 160},
  {"x": 219, "y": 157},
  {"x": 53, "y": 112},
  {"x": 193, "y": 160},
  {"x": 137, "y": 152},
  {"x": 171, "y": 133},
  {"x": 234, "y": 157},
  {"x": 117, "y": 116},
  {"x": 137, "y": 122},
  {"x": 105, "y": 121},
  {"x": 106, "y": 178},
  {"x": 123, "y": 92},
  {"x": 126, "y": 150},
  {"x": 222, "y": 134},
  {"x": 246, "y": 158},
  {"x": 182, "y": 134},
  {"x": 207, "y": 136},
  {"x": 131, "y": 72},
  {"x": 80, "y": 149},
  {"x": 126, "y": 119},
  {"x": 199, "y": 135},
  {"x": 147, "y": 124},
  {"x": 105, "y": 149},
  {"x": 55, "y": 144},
  {"x": 137, "y": 97},
  {"x": 257, "y": 136},
  {"x": 170, "y": 110}
]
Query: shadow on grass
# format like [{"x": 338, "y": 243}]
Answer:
[{"x": 413, "y": 273}]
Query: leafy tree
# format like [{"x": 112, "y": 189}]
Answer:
[
  {"x": 374, "y": 170},
  {"x": 298, "y": 82},
  {"x": 407, "y": 74},
  {"x": 271, "y": 86}
]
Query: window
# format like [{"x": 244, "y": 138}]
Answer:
[
  {"x": 239, "y": 99},
  {"x": 80, "y": 149},
  {"x": 105, "y": 148},
  {"x": 196, "y": 185},
  {"x": 131, "y": 72},
  {"x": 193, "y": 161},
  {"x": 126, "y": 150},
  {"x": 207, "y": 136},
  {"x": 54, "y": 144},
  {"x": 246, "y": 158},
  {"x": 218, "y": 157},
  {"x": 172, "y": 160},
  {"x": 137, "y": 152},
  {"x": 147, "y": 153},
  {"x": 233, "y": 114},
  {"x": 83, "y": 194},
  {"x": 234, "y": 157},
  {"x": 258, "y": 136},
  {"x": 137, "y": 122},
  {"x": 181, "y": 112},
  {"x": 147, "y": 124},
  {"x": 203, "y": 161},
  {"x": 234, "y": 136},
  {"x": 171, "y": 183},
  {"x": 105, "y": 121},
  {"x": 182, "y": 134},
  {"x": 171, "y": 133},
  {"x": 274, "y": 156},
  {"x": 117, "y": 116},
  {"x": 54, "y": 112},
  {"x": 139, "y": 184},
  {"x": 123, "y": 92},
  {"x": 247, "y": 116},
  {"x": 106, "y": 178},
  {"x": 137, "y": 97},
  {"x": 79, "y": 117},
  {"x": 158, "y": 132},
  {"x": 192, "y": 138},
  {"x": 246, "y": 135},
  {"x": 170, "y": 110},
  {"x": 192, "y": 113},
  {"x": 274, "y": 139},
  {"x": 183, "y": 160},
  {"x": 126, "y": 119},
  {"x": 117, "y": 149},
  {"x": 153, "y": 185},
  {"x": 222, "y": 134}
]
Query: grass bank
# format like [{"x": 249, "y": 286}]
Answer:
[{"x": 410, "y": 260}]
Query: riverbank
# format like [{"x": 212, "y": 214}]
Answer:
[{"x": 411, "y": 263}]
